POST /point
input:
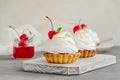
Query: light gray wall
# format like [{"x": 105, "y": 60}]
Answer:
[{"x": 101, "y": 15}]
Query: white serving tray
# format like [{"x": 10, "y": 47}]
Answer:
[{"x": 81, "y": 66}]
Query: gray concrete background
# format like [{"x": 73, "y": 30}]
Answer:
[
  {"x": 101, "y": 16},
  {"x": 11, "y": 69}
]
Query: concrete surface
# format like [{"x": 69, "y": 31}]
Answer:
[{"x": 11, "y": 69}]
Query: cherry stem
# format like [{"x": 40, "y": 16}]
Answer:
[
  {"x": 31, "y": 39},
  {"x": 14, "y": 30},
  {"x": 79, "y": 22},
  {"x": 50, "y": 22}
]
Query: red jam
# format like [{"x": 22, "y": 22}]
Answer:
[{"x": 23, "y": 52}]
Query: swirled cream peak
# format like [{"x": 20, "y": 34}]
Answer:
[
  {"x": 84, "y": 41},
  {"x": 61, "y": 43},
  {"x": 93, "y": 35},
  {"x": 63, "y": 34}
]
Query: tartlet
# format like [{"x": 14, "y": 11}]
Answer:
[
  {"x": 60, "y": 48},
  {"x": 86, "y": 45}
]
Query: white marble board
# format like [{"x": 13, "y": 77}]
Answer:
[{"x": 81, "y": 66}]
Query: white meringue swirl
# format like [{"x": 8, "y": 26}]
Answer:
[
  {"x": 93, "y": 35},
  {"x": 84, "y": 41},
  {"x": 61, "y": 43}
]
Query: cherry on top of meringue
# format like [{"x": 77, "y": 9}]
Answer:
[
  {"x": 79, "y": 27},
  {"x": 52, "y": 32}
]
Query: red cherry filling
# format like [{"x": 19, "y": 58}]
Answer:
[
  {"x": 76, "y": 28},
  {"x": 23, "y": 52},
  {"x": 83, "y": 26}
]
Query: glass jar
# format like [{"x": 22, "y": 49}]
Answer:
[
  {"x": 23, "y": 47},
  {"x": 23, "y": 50}
]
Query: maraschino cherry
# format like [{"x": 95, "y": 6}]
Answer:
[
  {"x": 79, "y": 27},
  {"x": 24, "y": 37},
  {"x": 52, "y": 32},
  {"x": 83, "y": 26},
  {"x": 76, "y": 28}
]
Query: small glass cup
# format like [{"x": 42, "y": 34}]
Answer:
[{"x": 23, "y": 52}]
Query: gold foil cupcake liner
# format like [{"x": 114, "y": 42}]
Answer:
[
  {"x": 87, "y": 53},
  {"x": 61, "y": 58}
]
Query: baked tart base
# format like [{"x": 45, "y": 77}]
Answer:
[{"x": 61, "y": 58}]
